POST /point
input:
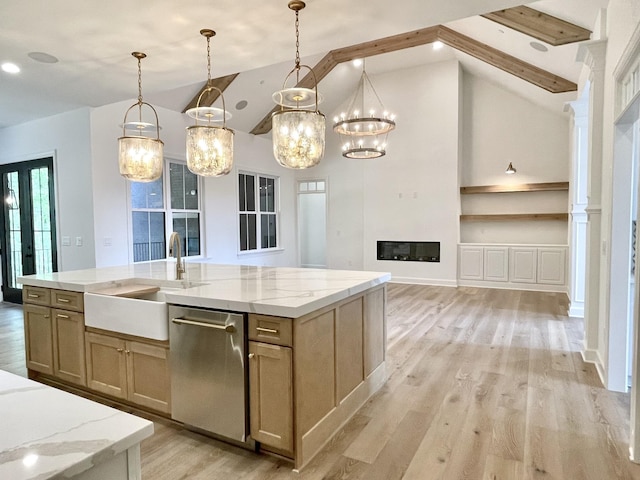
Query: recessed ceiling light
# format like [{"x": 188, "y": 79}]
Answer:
[
  {"x": 10, "y": 67},
  {"x": 357, "y": 62},
  {"x": 437, "y": 45},
  {"x": 42, "y": 57},
  {"x": 538, "y": 46},
  {"x": 241, "y": 104}
]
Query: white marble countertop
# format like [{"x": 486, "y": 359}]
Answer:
[
  {"x": 280, "y": 291},
  {"x": 47, "y": 433}
]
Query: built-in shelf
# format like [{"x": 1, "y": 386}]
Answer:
[
  {"x": 516, "y": 216},
  {"x": 523, "y": 187}
]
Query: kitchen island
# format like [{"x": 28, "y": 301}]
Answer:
[
  {"x": 315, "y": 339},
  {"x": 49, "y": 433}
]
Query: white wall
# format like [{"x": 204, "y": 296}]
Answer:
[
  {"x": 252, "y": 154},
  {"x": 501, "y": 127},
  {"x": 409, "y": 194},
  {"x": 66, "y": 138}
]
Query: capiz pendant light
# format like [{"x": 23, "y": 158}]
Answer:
[
  {"x": 140, "y": 157},
  {"x": 209, "y": 147},
  {"x": 365, "y": 124},
  {"x": 298, "y": 133}
]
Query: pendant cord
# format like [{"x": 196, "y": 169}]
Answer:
[
  {"x": 297, "y": 48},
  {"x": 139, "y": 80},
  {"x": 208, "y": 61}
]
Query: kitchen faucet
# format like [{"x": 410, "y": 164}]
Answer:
[{"x": 174, "y": 240}]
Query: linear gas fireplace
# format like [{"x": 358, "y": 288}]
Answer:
[{"x": 409, "y": 251}]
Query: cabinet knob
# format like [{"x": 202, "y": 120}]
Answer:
[
  {"x": 127, "y": 352},
  {"x": 119, "y": 350},
  {"x": 251, "y": 355}
]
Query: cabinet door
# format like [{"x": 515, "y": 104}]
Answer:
[
  {"x": 148, "y": 381},
  {"x": 523, "y": 263},
  {"x": 68, "y": 346},
  {"x": 551, "y": 266},
  {"x": 271, "y": 393},
  {"x": 496, "y": 264},
  {"x": 38, "y": 338},
  {"x": 106, "y": 364},
  {"x": 471, "y": 263}
]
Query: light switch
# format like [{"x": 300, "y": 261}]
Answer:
[
  {"x": 66, "y": 241},
  {"x": 78, "y": 241},
  {"x": 108, "y": 241}
]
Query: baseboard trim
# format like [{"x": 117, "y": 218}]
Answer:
[
  {"x": 576, "y": 309},
  {"x": 593, "y": 356},
  {"x": 535, "y": 287},
  {"x": 424, "y": 281}
]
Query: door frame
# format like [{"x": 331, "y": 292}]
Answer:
[{"x": 26, "y": 219}]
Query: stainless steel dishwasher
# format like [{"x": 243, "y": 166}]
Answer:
[{"x": 208, "y": 370}]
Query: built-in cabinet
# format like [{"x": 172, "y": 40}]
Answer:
[
  {"x": 123, "y": 367},
  {"x": 271, "y": 381},
  {"x": 308, "y": 375},
  {"x": 132, "y": 370},
  {"x": 54, "y": 333},
  {"x": 531, "y": 267}
]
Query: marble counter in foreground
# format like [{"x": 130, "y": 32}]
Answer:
[
  {"x": 280, "y": 291},
  {"x": 49, "y": 433}
]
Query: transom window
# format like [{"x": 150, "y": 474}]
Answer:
[
  {"x": 170, "y": 204},
  {"x": 258, "y": 211}
]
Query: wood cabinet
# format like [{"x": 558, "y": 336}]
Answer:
[
  {"x": 471, "y": 263},
  {"x": 308, "y": 375},
  {"x": 132, "y": 370},
  {"x": 38, "y": 338},
  {"x": 54, "y": 337},
  {"x": 271, "y": 386}
]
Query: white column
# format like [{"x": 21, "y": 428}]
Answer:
[
  {"x": 593, "y": 55},
  {"x": 578, "y": 198}
]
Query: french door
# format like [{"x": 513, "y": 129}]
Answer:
[{"x": 27, "y": 235}]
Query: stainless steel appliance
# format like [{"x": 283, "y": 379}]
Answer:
[{"x": 208, "y": 370}]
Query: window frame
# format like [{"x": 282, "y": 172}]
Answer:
[
  {"x": 258, "y": 213},
  {"x": 169, "y": 212}
]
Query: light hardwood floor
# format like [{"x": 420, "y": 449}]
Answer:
[{"x": 483, "y": 384}]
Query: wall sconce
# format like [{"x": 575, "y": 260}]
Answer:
[{"x": 510, "y": 170}]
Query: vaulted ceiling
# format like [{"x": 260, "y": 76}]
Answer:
[{"x": 255, "y": 41}]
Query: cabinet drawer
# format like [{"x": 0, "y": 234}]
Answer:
[
  {"x": 67, "y": 300},
  {"x": 36, "y": 295},
  {"x": 267, "y": 329}
]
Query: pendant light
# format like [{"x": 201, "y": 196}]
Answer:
[
  {"x": 209, "y": 147},
  {"x": 140, "y": 157},
  {"x": 366, "y": 123},
  {"x": 298, "y": 131}
]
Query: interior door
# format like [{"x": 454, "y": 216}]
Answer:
[{"x": 28, "y": 223}]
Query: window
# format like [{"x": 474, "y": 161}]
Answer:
[
  {"x": 258, "y": 212},
  {"x": 155, "y": 215}
]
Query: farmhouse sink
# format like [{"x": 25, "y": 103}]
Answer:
[{"x": 144, "y": 315}]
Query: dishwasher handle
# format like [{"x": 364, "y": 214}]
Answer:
[{"x": 188, "y": 321}]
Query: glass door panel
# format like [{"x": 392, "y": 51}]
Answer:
[{"x": 28, "y": 223}]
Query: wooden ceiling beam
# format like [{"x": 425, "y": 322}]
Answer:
[
  {"x": 207, "y": 99},
  {"x": 539, "y": 25},
  {"x": 532, "y": 74},
  {"x": 361, "y": 50}
]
